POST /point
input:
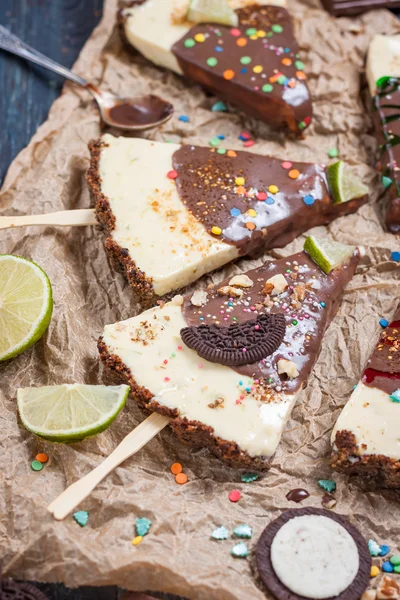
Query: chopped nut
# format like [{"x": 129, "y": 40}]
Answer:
[
  {"x": 177, "y": 300},
  {"x": 228, "y": 290},
  {"x": 268, "y": 302},
  {"x": 279, "y": 282},
  {"x": 287, "y": 367},
  {"x": 300, "y": 291},
  {"x": 369, "y": 595},
  {"x": 167, "y": 318},
  {"x": 267, "y": 289},
  {"x": 241, "y": 281},
  {"x": 258, "y": 306},
  {"x": 388, "y": 588},
  {"x": 199, "y": 298},
  {"x": 328, "y": 500},
  {"x": 218, "y": 402}
]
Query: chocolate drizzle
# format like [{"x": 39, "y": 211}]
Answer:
[
  {"x": 238, "y": 344},
  {"x": 383, "y": 368}
]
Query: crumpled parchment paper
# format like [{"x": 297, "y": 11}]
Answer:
[{"x": 177, "y": 555}]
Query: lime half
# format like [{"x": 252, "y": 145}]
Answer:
[
  {"x": 212, "y": 11},
  {"x": 326, "y": 254},
  {"x": 70, "y": 412},
  {"x": 344, "y": 185},
  {"x": 26, "y": 304}
]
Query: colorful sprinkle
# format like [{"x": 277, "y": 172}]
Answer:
[
  {"x": 200, "y": 37},
  {"x": 235, "y": 32},
  {"x": 81, "y": 517},
  {"x": 386, "y": 182},
  {"x": 384, "y": 550},
  {"x": 251, "y": 212},
  {"x": 136, "y": 541},
  {"x": 243, "y": 531},
  {"x": 333, "y": 152},
  {"x": 189, "y": 43},
  {"x": 277, "y": 28},
  {"x": 395, "y": 397},
  {"x": 261, "y": 196},
  {"x": 235, "y": 212},
  {"x": 221, "y": 151},
  {"x": 258, "y": 69},
  {"x": 249, "y": 477},
  {"x": 387, "y": 567},
  {"x": 249, "y": 143},
  {"x": 251, "y": 31},
  {"x": 309, "y": 200},
  {"x": 234, "y": 496},
  {"x": 383, "y": 322},
  {"x": 374, "y": 548},
  {"x": 245, "y": 60},
  {"x": 143, "y": 526},
  {"x": 215, "y": 141},
  {"x": 42, "y": 457},
  {"x": 36, "y": 465},
  {"x": 300, "y": 75},
  {"x": 396, "y": 256},
  {"x": 273, "y": 189},
  {"x": 261, "y": 33},
  {"x": 240, "y": 550},
  {"x": 270, "y": 200},
  {"x": 374, "y": 571},
  {"x": 267, "y": 87},
  {"x": 181, "y": 478},
  {"x": 212, "y": 61},
  {"x": 231, "y": 154},
  {"x": 294, "y": 174},
  {"x": 172, "y": 174},
  {"x": 250, "y": 226},
  {"x": 327, "y": 485},
  {"x": 229, "y": 74},
  {"x": 220, "y": 533},
  {"x": 184, "y": 118},
  {"x": 395, "y": 560},
  {"x": 219, "y": 107},
  {"x": 240, "y": 180},
  {"x": 286, "y": 61},
  {"x": 299, "y": 65},
  {"x": 286, "y": 164},
  {"x": 241, "y": 42},
  {"x": 176, "y": 468}
]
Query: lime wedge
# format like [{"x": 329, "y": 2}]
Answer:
[
  {"x": 26, "y": 304},
  {"x": 344, "y": 185},
  {"x": 212, "y": 11},
  {"x": 70, "y": 412},
  {"x": 326, "y": 254}
]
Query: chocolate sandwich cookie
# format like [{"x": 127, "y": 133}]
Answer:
[
  {"x": 310, "y": 553},
  {"x": 11, "y": 590}
]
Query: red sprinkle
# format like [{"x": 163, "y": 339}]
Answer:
[
  {"x": 235, "y": 32},
  {"x": 172, "y": 174},
  {"x": 245, "y": 135},
  {"x": 286, "y": 164},
  {"x": 234, "y": 496},
  {"x": 261, "y": 196},
  {"x": 249, "y": 143}
]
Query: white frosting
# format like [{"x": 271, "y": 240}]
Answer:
[
  {"x": 383, "y": 59},
  {"x": 314, "y": 556},
  {"x": 162, "y": 237},
  {"x": 152, "y": 29},
  {"x": 374, "y": 420},
  {"x": 190, "y": 384}
]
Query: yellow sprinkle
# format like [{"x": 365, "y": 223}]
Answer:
[
  {"x": 273, "y": 189},
  {"x": 200, "y": 37},
  {"x": 253, "y": 37},
  {"x": 136, "y": 541},
  {"x": 258, "y": 69},
  {"x": 374, "y": 571},
  {"x": 251, "y": 212},
  {"x": 216, "y": 230},
  {"x": 239, "y": 180},
  {"x": 261, "y": 33}
]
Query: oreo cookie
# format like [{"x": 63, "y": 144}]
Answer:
[
  {"x": 237, "y": 344},
  {"x": 11, "y": 590},
  {"x": 310, "y": 553}
]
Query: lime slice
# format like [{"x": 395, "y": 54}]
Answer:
[
  {"x": 212, "y": 11},
  {"x": 70, "y": 412},
  {"x": 326, "y": 254},
  {"x": 26, "y": 304},
  {"x": 344, "y": 185}
]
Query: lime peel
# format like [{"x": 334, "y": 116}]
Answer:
[
  {"x": 328, "y": 255},
  {"x": 212, "y": 11},
  {"x": 343, "y": 184}
]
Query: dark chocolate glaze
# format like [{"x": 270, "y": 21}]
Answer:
[
  {"x": 297, "y": 495},
  {"x": 206, "y": 185},
  {"x": 305, "y": 324},
  {"x": 387, "y": 127},
  {"x": 140, "y": 111},
  {"x": 288, "y": 103},
  {"x": 383, "y": 368},
  {"x": 344, "y": 8}
]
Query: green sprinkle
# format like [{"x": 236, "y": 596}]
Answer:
[
  {"x": 221, "y": 151},
  {"x": 221, "y": 533},
  {"x": 214, "y": 142},
  {"x": 81, "y": 517},
  {"x": 299, "y": 65},
  {"x": 396, "y": 569},
  {"x": 251, "y": 31},
  {"x": 302, "y": 125},
  {"x": 333, "y": 152},
  {"x": 219, "y": 107},
  {"x": 243, "y": 531},
  {"x": 267, "y": 87},
  {"x": 249, "y": 477},
  {"x": 234, "y": 318},
  {"x": 395, "y": 560},
  {"x": 270, "y": 380},
  {"x": 327, "y": 485},
  {"x": 395, "y": 397},
  {"x": 294, "y": 322},
  {"x": 277, "y": 28},
  {"x": 36, "y": 465},
  {"x": 143, "y": 526},
  {"x": 386, "y": 182},
  {"x": 212, "y": 61},
  {"x": 245, "y": 60},
  {"x": 270, "y": 34},
  {"x": 281, "y": 79},
  {"x": 189, "y": 43},
  {"x": 240, "y": 550}
]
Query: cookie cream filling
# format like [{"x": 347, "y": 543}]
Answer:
[
  {"x": 151, "y": 347},
  {"x": 374, "y": 420},
  {"x": 156, "y": 25},
  {"x": 164, "y": 240},
  {"x": 314, "y": 557}
]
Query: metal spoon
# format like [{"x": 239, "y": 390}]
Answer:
[{"x": 131, "y": 114}]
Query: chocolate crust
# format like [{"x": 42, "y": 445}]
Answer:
[
  {"x": 119, "y": 257},
  {"x": 11, "y": 590},
  {"x": 373, "y": 468},
  {"x": 193, "y": 433},
  {"x": 274, "y": 584}
]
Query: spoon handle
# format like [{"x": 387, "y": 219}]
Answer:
[{"x": 12, "y": 43}]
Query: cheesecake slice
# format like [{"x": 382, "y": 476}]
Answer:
[
  {"x": 383, "y": 75},
  {"x": 366, "y": 437},
  {"x": 228, "y": 364},
  {"x": 174, "y": 213},
  {"x": 255, "y": 65}
]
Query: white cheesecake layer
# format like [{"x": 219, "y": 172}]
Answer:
[
  {"x": 383, "y": 59},
  {"x": 189, "y": 383},
  {"x": 374, "y": 420},
  {"x": 155, "y": 26},
  {"x": 315, "y": 557},
  {"x": 162, "y": 237}
]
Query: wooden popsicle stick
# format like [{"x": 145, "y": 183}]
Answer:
[
  {"x": 132, "y": 443},
  {"x": 65, "y": 218}
]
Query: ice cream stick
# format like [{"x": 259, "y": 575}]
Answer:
[
  {"x": 132, "y": 443},
  {"x": 65, "y": 218}
]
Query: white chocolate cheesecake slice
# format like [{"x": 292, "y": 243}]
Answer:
[{"x": 383, "y": 59}]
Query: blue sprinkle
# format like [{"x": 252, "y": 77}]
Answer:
[
  {"x": 201, "y": 318},
  {"x": 270, "y": 200},
  {"x": 309, "y": 200},
  {"x": 387, "y": 567},
  {"x": 287, "y": 49},
  {"x": 286, "y": 81},
  {"x": 386, "y": 182},
  {"x": 221, "y": 137},
  {"x": 248, "y": 390},
  {"x": 219, "y": 107},
  {"x": 244, "y": 70},
  {"x": 354, "y": 387},
  {"x": 81, "y": 517},
  {"x": 235, "y": 212},
  {"x": 383, "y": 323},
  {"x": 218, "y": 49},
  {"x": 395, "y": 397},
  {"x": 384, "y": 550},
  {"x": 322, "y": 304},
  {"x": 240, "y": 382},
  {"x": 184, "y": 118},
  {"x": 230, "y": 303},
  {"x": 396, "y": 256}
]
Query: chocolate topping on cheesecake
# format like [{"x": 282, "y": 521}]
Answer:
[{"x": 383, "y": 369}]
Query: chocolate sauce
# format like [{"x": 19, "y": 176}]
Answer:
[
  {"x": 383, "y": 368},
  {"x": 139, "y": 111},
  {"x": 297, "y": 495},
  {"x": 255, "y": 66}
]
